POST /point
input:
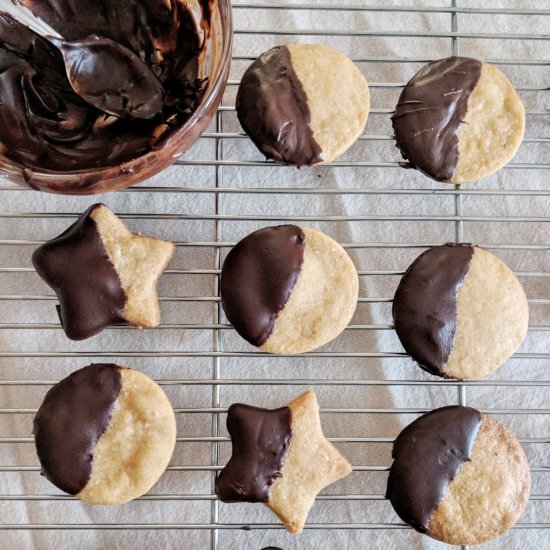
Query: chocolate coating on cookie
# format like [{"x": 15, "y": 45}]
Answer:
[
  {"x": 261, "y": 440},
  {"x": 430, "y": 110},
  {"x": 427, "y": 456},
  {"x": 257, "y": 278},
  {"x": 77, "y": 267},
  {"x": 272, "y": 108},
  {"x": 74, "y": 415},
  {"x": 425, "y": 304}
]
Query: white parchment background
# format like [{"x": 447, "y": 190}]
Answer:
[{"x": 396, "y": 258}]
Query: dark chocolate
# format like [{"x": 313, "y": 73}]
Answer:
[
  {"x": 77, "y": 267},
  {"x": 272, "y": 108},
  {"x": 424, "y": 305},
  {"x": 260, "y": 440},
  {"x": 257, "y": 278},
  {"x": 431, "y": 108},
  {"x": 428, "y": 454},
  {"x": 45, "y": 125},
  {"x": 73, "y": 416},
  {"x": 131, "y": 90}
]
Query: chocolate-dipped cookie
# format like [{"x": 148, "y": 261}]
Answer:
[
  {"x": 459, "y": 476},
  {"x": 458, "y": 120},
  {"x": 105, "y": 434},
  {"x": 303, "y": 103},
  {"x": 103, "y": 274},
  {"x": 288, "y": 289},
  {"x": 459, "y": 311},
  {"x": 280, "y": 458}
]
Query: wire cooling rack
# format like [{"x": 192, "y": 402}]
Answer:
[{"x": 368, "y": 389}]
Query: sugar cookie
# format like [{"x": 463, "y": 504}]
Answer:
[
  {"x": 105, "y": 434},
  {"x": 288, "y": 289},
  {"x": 103, "y": 274},
  {"x": 459, "y": 476},
  {"x": 303, "y": 103},
  {"x": 459, "y": 311},
  {"x": 281, "y": 458},
  {"x": 459, "y": 120}
]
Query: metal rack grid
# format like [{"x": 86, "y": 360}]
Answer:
[{"x": 215, "y": 175}]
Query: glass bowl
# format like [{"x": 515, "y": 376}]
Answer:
[{"x": 110, "y": 178}]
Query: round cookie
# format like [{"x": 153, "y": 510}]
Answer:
[
  {"x": 458, "y": 120},
  {"x": 288, "y": 289},
  {"x": 105, "y": 434},
  {"x": 459, "y": 311},
  {"x": 303, "y": 103},
  {"x": 459, "y": 476}
]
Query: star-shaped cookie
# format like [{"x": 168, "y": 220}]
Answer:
[
  {"x": 281, "y": 458},
  {"x": 103, "y": 274}
]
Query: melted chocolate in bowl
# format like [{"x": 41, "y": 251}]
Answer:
[{"x": 53, "y": 140}]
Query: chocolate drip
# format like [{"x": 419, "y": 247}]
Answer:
[
  {"x": 75, "y": 413},
  {"x": 44, "y": 124},
  {"x": 424, "y": 305},
  {"x": 428, "y": 455},
  {"x": 77, "y": 267},
  {"x": 261, "y": 440},
  {"x": 272, "y": 107},
  {"x": 257, "y": 278},
  {"x": 430, "y": 110}
]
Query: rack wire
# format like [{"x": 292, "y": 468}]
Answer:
[{"x": 367, "y": 386}]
